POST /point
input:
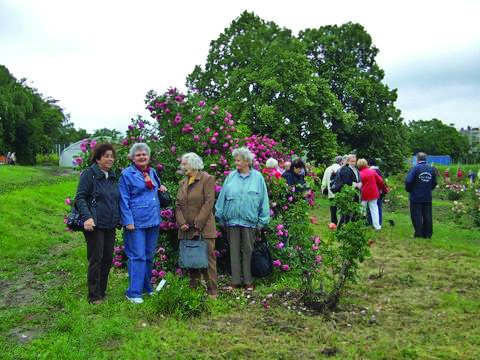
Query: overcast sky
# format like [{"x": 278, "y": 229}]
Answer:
[{"x": 99, "y": 58}]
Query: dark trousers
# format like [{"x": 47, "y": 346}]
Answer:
[
  {"x": 333, "y": 212},
  {"x": 421, "y": 215},
  {"x": 99, "y": 254}
]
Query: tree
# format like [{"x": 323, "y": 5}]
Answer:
[
  {"x": 260, "y": 72},
  {"x": 344, "y": 56},
  {"x": 436, "y": 138},
  {"x": 29, "y": 122},
  {"x": 113, "y": 134}
]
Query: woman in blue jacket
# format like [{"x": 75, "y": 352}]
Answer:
[
  {"x": 140, "y": 216},
  {"x": 242, "y": 207}
]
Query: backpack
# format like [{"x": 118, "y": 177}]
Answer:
[{"x": 336, "y": 182}]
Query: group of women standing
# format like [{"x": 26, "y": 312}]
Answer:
[{"x": 133, "y": 202}]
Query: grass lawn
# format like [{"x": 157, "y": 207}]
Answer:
[{"x": 414, "y": 299}]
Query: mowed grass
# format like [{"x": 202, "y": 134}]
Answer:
[{"x": 414, "y": 299}]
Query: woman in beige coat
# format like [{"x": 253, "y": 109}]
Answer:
[{"x": 195, "y": 201}]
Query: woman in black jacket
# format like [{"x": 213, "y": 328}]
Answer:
[
  {"x": 97, "y": 201},
  {"x": 295, "y": 176}
]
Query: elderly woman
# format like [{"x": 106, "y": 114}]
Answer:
[
  {"x": 372, "y": 183},
  {"x": 271, "y": 168},
  {"x": 140, "y": 215},
  {"x": 97, "y": 202},
  {"x": 194, "y": 213},
  {"x": 242, "y": 207}
]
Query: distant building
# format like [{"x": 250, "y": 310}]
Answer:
[
  {"x": 472, "y": 134},
  {"x": 69, "y": 154}
]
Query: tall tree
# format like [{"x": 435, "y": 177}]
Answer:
[
  {"x": 259, "y": 71},
  {"x": 345, "y": 57},
  {"x": 29, "y": 122},
  {"x": 436, "y": 138}
]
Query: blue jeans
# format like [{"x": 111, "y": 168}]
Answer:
[{"x": 140, "y": 245}]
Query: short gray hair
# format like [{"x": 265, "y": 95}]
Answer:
[
  {"x": 338, "y": 159},
  {"x": 271, "y": 163},
  {"x": 138, "y": 147},
  {"x": 193, "y": 160},
  {"x": 421, "y": 156},
  {"x": 244, "y": 153}
]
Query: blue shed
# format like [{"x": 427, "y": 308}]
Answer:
[{"x": 435, "y": 159}]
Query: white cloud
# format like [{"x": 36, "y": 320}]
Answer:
[{"x": 101, "y": 57}]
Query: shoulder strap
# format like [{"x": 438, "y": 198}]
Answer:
[
  {"x": 94, "y": 199},
  {"x": 157, "y": 179}
]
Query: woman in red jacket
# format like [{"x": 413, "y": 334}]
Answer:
[{"x": 371, "y": 185}]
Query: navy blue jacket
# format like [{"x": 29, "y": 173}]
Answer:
[
  {"x": 106, "y": 212},
  {"x": 420, "y": 181},
  {"x": 295, "y": 180}
]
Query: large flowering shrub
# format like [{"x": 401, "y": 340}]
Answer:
[{"x": 187, "y": 123}]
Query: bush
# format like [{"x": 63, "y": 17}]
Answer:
[
  {"x": 51, "y": 159},
  {"x": 177, "y": 299}
]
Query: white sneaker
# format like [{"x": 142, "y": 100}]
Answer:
[{"x": 135, "y": 300}]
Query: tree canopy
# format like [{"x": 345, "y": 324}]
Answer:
[
  {"x": 322, "y": 89},
  {"x": 436, "y": 138},
  {"x": 29, "y": 122}
]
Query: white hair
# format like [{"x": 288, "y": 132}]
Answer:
[
  {"x": 193, "y": 160},
  {"x": 271, "y": 163},
  {"x": 350, "y": 156},
  {"x": 244, "y": 153},
  {"x": 138, "y": 147}
]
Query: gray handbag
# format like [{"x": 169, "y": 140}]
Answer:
[{"x": 193, "y": 254}]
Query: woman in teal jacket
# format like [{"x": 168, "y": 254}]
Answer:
[{"x": 241, "y": 208}]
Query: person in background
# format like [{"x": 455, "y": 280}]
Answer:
[
  {"x": 13, "y": 158},
  {"x": 242, "y": 207},
  {"x": 446, "y": 176},
  {"x": 373, "y": 166},
  {"x": 286, "y": 166},
  {"x": 350, "y": 176},
  {"x": 328, "y": 175},
  {"x": 294, "y": 176},
  {"x": 97, "y": 202},
  {"x": 371, "y": 183},
  {"x": 281, "y": 166},
  {"x": 459, "y": 174},
  {"x": 194, "y": 214},
  {"x": 140, "y": 216},
  {"x": 420, "y": 181},
  {"x": 472, "y": 175},
  {"x": 271, "y": 168}
]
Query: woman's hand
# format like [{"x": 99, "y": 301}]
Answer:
[
  {"x": 89, "y": 225},
  {"x": 162, "y": 188},
  {"x": 130, "y": 227},
  {"x": 184, "y": 227}
]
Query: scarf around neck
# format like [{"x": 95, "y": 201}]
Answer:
[{"x": 148, "y": 181}]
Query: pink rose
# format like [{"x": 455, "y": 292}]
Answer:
[{"x": 277, "y": 263}]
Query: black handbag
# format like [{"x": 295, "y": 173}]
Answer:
[
  {"x": 74, "y": 219},
  {"x": 261, "y": 263},
  {"x": 165, "y": 199}
]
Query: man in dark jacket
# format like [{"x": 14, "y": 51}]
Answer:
[
  {"x": 420, "y": 181},
  {"x": 350, "y": 176}
]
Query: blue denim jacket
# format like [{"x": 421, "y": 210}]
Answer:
[
  {"x": 243, "y": 201},
  {"x": 138, "y": 204}
]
